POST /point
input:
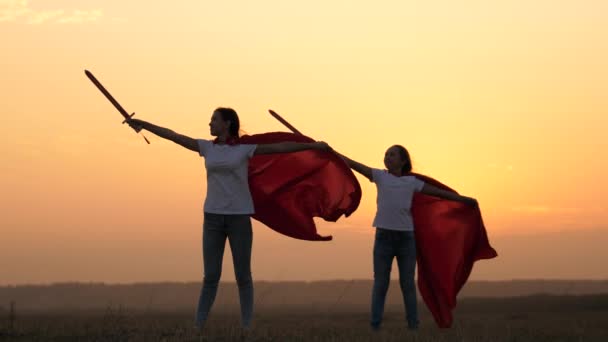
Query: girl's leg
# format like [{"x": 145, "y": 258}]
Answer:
[
  {"x": 406, "y": 260},
  {"x": 383, "y": 259},
  {"x": 214, "y": 240},
  {"x": 240, "y": 237}
]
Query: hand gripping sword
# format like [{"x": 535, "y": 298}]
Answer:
[{"x": 109, "y": 96}]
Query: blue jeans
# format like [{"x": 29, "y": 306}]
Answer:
[
  {"x": 216, "y": 228},
  {"x": 387, "y": 245}
]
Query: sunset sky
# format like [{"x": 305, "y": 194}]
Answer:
[{"x": 505, "y": 101}]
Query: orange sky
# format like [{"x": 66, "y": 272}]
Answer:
[{"x": 504, "y": 102}]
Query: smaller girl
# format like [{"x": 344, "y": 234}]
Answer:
[{"x": 395, "y": 228}]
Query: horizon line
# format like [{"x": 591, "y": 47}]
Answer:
[{"x": 63, "y": 283}]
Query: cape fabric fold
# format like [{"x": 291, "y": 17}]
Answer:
[
  {"x": 289, "y": 189},
  {"x": 450, "y": 237}
]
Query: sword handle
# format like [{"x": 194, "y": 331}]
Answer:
[
  {"x": 130, "y": 116},
  {"x": 142, "y": 135}
]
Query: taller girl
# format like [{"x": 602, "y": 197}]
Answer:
[{"x": 228, "y": 204}]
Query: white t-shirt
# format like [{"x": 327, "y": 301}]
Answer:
[
  {"x": 227, "y": 178},
  {"x": 394, "y": 200}
]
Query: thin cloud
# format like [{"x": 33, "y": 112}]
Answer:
[
  {"x": 20, "y": 11},
  {"x": 11, "y": 10},
  {"x": 37, "y": 18},
  {"x": 79, "y": 17}
]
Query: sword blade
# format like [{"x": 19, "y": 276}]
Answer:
[
  {"x": 107, "y": 94},
  {"x": 284, "y": 122}
]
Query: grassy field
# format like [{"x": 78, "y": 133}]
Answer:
[{"x": 532, "y": 318}]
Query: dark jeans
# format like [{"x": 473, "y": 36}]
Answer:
[
  {"x": 216, "y": 228},
  {"x": 387, "y": 245}
]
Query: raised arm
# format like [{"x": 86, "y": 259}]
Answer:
[
  {"x": 431, "y": 190},
  {"x": 288, "y": 146},
  {"x": 355, "y": 165},
  {"x": 166, "y": 133}
]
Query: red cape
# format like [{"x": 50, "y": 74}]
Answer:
[
  {"x": 450, "y": 237},
  {"x": 289, "y": 189}
]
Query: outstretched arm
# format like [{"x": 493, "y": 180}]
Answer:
[
  {"x": 355, "y": 165},
  {"x": 286, "y": 147},
  {"x": 431, "y": 190},
  {"x": 166, "y": 133}
]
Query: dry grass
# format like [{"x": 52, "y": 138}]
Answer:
[{"x": 537, "y": 318}]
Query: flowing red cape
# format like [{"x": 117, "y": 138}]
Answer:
[
  {"x": 289, "y": 189},
  {"x": 450, "y": 237}
]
